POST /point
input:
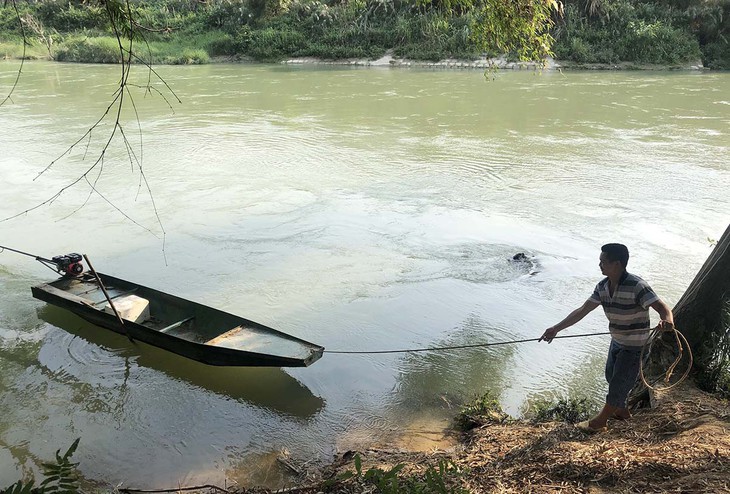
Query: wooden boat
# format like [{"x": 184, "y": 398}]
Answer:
[{"x": 180, "y": 326}]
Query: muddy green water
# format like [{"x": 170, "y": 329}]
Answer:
[{"x": 356, "y": 208}]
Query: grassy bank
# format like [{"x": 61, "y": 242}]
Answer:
[
  {"x": 681, "y": 445},
  {"x": 181, "y": 31}
]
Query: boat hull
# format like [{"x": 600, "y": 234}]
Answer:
[{"x": 195, "y": 347}]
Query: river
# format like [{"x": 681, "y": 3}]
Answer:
[{"x": 361, "y": 209}]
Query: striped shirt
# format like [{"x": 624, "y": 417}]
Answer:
[{"x": 628, "y": 309}]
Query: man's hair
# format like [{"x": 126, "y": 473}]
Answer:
[{"x": 617, "y": 252}]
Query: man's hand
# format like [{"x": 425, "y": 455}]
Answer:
[
  {"x": 665, "y": 325},
  {"x": 549, "y": 334}
]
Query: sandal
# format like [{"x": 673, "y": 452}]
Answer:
[
  {"x": 618, "y": 417},
  {"x": 585, "y": 426}
]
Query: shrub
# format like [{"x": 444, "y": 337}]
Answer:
[
  {"x": 483, "y": 409},
  {"x": 658, "y": 43},
  {"x": 569, "y": 410},
  {"x": 393, "y": 481},
  {"x": 189, "y": 56},
  {"x": 627, "y": 31},
  {"x": 65, "y": 16},
  {"x": 9, "y": 19},
  {"x": 228, "y": 16},
  {"x": 270, "y": 44},
  {"x": 89, "y": 50},
  {"x": 716, "y": 55}
]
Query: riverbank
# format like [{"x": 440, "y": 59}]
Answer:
[
  {"x": 484, "y": 63},
  {"x": 681, "y": 445},
  {"x": 627, "y": 34},
  {"x": 389, "y": 60}
]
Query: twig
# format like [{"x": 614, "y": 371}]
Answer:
[
  {"x": 22, "y": 59},
  {"x": 118, "y": 16},
  {"x": 177, "y": 489},
  {"x": 288, "y": 465}
]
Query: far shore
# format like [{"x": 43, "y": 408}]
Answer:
[{"x": 483, "y": 63}]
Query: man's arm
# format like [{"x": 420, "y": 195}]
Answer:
[
  {"x": 665, "y": 315},
  {"x": 572, "y": 318}
]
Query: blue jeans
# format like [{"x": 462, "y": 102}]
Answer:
[{"x": 622, "y": 369}]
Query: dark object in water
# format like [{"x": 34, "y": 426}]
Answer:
[
  {"x": 180, "y": 326},
  {"x": 524, "y": 259}
]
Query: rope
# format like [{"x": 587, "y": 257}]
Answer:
[
  {"x": 456, "y": 347},
  {"x": 647, "y": 345},
  {"x": 679, "y": 337}
]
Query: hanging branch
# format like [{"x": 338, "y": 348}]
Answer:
[
  {"x": 126, "y": 30},
  {"x": 22, "y": 59}
]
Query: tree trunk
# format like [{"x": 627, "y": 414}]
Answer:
[
  {"x": 699, "y": 313},
  {"x": 701, "y": 316}
]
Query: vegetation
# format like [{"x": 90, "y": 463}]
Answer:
[
  {"x": 393, "y": 480},
  {"x": 570, "y": 410},
  {"x": 714, "y": 376},
  {"x": 61, "y": 477},
  {"x": 667, "y": 33},
  {"x": 483, "y": 409},
  {"x": 703, "y": 316},
  {"x": 190, "y": 31}
]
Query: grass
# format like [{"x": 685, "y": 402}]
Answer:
[
  {"x": 105, "y": 49},
  {"x": 13, "y": 49},
  {"x": 570, "y": 410},
  {"x": 481, "y": 410},
  {"x": 102, "y": 49},
  {"x": 443, "y": 479}
]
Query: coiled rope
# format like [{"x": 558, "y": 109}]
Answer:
[{"x": 646, "y": 350}]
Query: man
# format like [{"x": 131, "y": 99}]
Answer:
[{"x": 626, "y": 299}]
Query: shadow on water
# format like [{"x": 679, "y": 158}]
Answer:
[
  {"x": 433, "y": 380},
  {"x": 267, "y": 387}
]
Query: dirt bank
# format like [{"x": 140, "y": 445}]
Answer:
[{"x": 682, "y": 445}]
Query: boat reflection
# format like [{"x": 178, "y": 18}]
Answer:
[{"x": 267, "y": 387}]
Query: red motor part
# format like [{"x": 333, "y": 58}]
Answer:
[
  {"x": 74, "y": 268},
  {"x": 69, "y": 264}
]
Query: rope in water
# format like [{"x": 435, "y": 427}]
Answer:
[{"x": 644, "y": 353}]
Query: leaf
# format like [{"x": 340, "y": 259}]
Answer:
[
  {"x": 345, "y": 475},
  {"x": 19, "y": 488},
  {"x": 50, "y": 478},
  {"x": 72, "y": 449},
  {"x": 358, "y": 465}
]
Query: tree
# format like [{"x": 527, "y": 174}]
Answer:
[{"x": 702, "y": 315}]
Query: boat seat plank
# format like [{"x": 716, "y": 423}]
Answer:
[
  {"x": 120, "y": 294},
  {"x": 237, "y": 333},
  {"x": 176, "y": 324},
  {"x": 66, "y": 295},
  {"x": 241, "y": 338}
]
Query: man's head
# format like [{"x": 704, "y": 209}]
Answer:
[{"x": 614, "y": 258}]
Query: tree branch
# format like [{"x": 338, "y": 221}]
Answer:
[{"x": 22, "y": 60}]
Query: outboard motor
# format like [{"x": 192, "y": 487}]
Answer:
[{"x": 69, "y": 264}]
